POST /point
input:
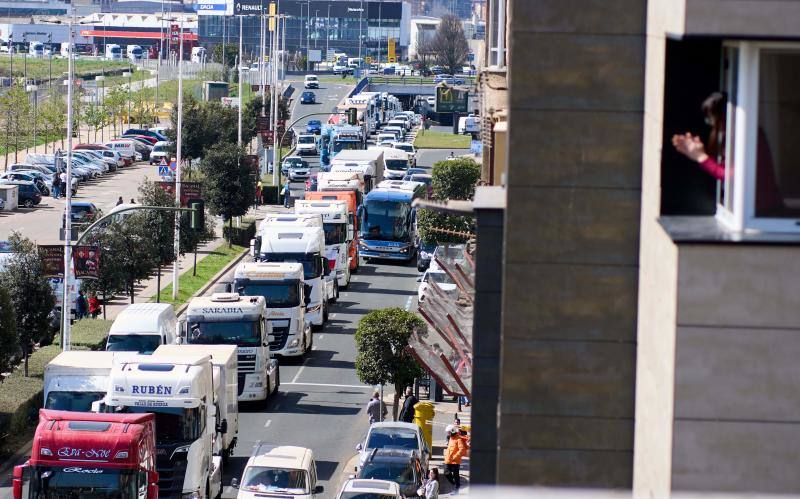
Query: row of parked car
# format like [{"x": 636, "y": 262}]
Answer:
[{"x": 34, "y": 177}]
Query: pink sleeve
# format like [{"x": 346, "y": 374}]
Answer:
[{"x": 716, "y": 170}]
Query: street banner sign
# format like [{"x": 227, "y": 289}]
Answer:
[
  {"x": 391, "y": 50},
  {"x": 86, "y": 262},
  {"x": 214, "y": 7},
  {"x": 189, "y": 190},
  {"x": 52, "y": 260},
  {"x": 175, "y": 34},
  {"x": 262, "y": 123},
  {"x": 330, "y": 55},
  {"x": 247, "y": 7}
]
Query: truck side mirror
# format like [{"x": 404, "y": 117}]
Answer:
[
  {"x": 235, "y": 483},
  {"x": 307, "y": 293},
  {"x": 255, "y": 246},
  {"x": 228, "y": 287},
  {"x": 319, "y": 489},
  {"x": 223, "y": 427},
  {"x": 326, "y": 266}
]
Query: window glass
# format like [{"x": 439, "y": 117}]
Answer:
[
  {"x": 777, "y": 193},
  {"x": 730, "y": 84}
]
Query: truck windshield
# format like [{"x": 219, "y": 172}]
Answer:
[
  {"x": 397, "y": 164},
  {"x": 141, "y": 343},
  {"x": 83, "y": 482},
  {"x": 310, "y": 261},
  {"x": 346, "y": 145},
  {"x": 385, "y": 220},
  {"x": 241, "y": 333},
  {"x": 306, "y": 140},
  {"x": 174, "y": 424},
  {"x": 264, "y": 479},
  {"x": 72, "y": 401},
  {"x": 335, "y": 233},
  {"x": 278, "y": 294}
]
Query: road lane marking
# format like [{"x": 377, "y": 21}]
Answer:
[
  {"x": 321, "y": 336},
  {"x": 269, "y": 422},
  {"x": 362, "y": 387},
  {"x": 299, "y": 372},
  {"x": 408, "y": 303}
]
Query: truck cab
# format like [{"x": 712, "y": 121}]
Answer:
[
  {"x": 142, "y": 327},
  {"x": 281, "y": 285},
  {"x": 337, "y": 235},
  {"x": 231, "y": 319},
  {"x": 85, "y": 454},
  {"x": 299, "y": 244},
  {"x": 179, "y": 390},
  {"x": 349, "y": 191},
  {"x": 113, "y": 52},
  {"x": 135, "y": 53},
  {"x": 75, "y": 379}
]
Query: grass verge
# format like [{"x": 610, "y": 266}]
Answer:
[
  {"x": 207, "y": 268},
  {"x": 40, "y": 68},
  {"x": 21, "y": 396},
  {"x": 434, "y": 139}
]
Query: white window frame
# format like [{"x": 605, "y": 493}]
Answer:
[
  {"x": 746, "y": 145},
  {"x": 496, "y": 35}
]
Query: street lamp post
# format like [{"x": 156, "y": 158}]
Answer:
[
  {"x": 66, "y": 306},
  {"x": 102, "y": 95},
  {"x": 316, "y": 16},
  {"x": 179, "y": 140},
  {"x": 328, "y": 32},
  {"x": 241, "y": 87},
  {"x": 35, "y": 90},
  {"x": 128, "y": 75}
]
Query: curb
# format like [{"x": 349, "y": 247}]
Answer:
[{"x": 211, "y": 282}]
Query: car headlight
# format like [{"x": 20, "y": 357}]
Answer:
[
  {"x": 294, "y": 343},
  {"x": 362, "y": 244},
  {"x": 183, "y": 448},
  {"x": 404, "y": 250}
]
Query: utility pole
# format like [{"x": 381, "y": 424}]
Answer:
[
  {"x": 239, "y": 136},
  {"x": 177, "y": 241},
  {"x": 276, "y": 168},
  {"x": 66, "y": 306}
]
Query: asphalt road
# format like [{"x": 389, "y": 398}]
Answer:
[{"x": 321, "y": 403}]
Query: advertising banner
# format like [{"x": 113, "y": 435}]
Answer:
[
  {"x": 86, "y": 262},
  {"x": 189, "y": 190},
  {"x": 52, "y": 260}
]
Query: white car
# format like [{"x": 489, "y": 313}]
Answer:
[
  {"x": 311, "y": 81},
  {"x": 440, "y": 278},
  {"x": 386, "y": 139},
  {"x": 395, "y": 435},
  {"x": 357, "y": 488},
  {"x": 306, "y": 144},
  {"x": 409, "y": 148},
  {"x": 159, "y": 152},
  {"x": 283, "y": 470}
]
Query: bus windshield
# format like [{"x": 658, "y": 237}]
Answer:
[
  {"x": 385, "y": 220},
  {"x": 278, "y": 294},
  {"x": 241, "y": 333},
  {"x": 347, "y": 145}
]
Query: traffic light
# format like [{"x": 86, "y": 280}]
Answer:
[
  {"x": 352, "y": 116},
  {"x": 197, "y": 217}
]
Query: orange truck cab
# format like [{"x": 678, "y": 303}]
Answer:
[{"x": 347, "y": 187}]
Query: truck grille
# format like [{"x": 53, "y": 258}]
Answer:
[
  {"x": 170, "y": 477},
  {"x": 280, "y": 335},
  {"x": 247, "y": 363}
]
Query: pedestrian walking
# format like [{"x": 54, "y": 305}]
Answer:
[
  {"x": 133, "y": 201},
  {"x": 94, "y": 306},
  {"x": 81, "y": 306},
  {"x": 56, "y": 186},
  {"x": 287, "y": 194},
  {"x": 376, "y": 409},
  {"x": 430, "y": 486},
  {"x": 457, "y": 448},
  {"x": 407, "y": 412},
  {"x": 62, "y": 177},
  {"x": 259, "y": 187},
  {"x": 119, "y": 201}
]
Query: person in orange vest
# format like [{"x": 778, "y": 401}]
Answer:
[{"x": 457, "y": 448}]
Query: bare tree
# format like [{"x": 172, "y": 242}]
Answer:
[{"x": 450, "y": 44}]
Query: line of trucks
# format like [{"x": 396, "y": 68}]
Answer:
[{"x": 156, "y": 414}]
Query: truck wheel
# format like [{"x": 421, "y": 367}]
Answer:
[
  {"x": 277, "y": 382},
  {"x": 347, "y": 280},
  {"x": 324, "y": 313}
]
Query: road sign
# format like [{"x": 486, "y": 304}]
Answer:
[
  {"x": 451, "y": 100},
  {"x": 163, "y": 171},
  {"x": 163, "y": 162},
  {"x": 173, "y": 165},
  {"x": 470, "y": 57}
]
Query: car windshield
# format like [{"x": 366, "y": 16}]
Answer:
[
  {"x": 404, "y": 147},
  {"x": 158, "y": 149},
  {"x": 334, "y": 233},
  {"x": 385, "y": 220},
  {"x": 402, "y": 473},
  {"x": 242, "y": 333},
  {"x": 141, "y": 343},
  {"x": 174, "y": 424},
  {"x": 72, "y": 401},
  {"x": 265, "y": 479},
  {"x": 84, "y": 482},
  {"x": 393, "y": 438},
  {"x": 306, "y": 140},
  {"x": 278, "y": 294},
  {"x": 365, "y": 495},
  {"x": 438, "y": 278}
]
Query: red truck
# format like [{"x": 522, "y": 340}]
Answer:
[{"x": 81, "y": 454}]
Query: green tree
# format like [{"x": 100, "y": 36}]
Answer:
[
  {"x": 450, "y": 44},
  {"x": 9, "y": 339},
  {"x": 455, "y": 179},
  {"x": 116, "y": 103},
  {"x": 228, "y": 187},
  {"x": 128, "y": 244},
  {"x": 197, "y": 129},
  {"x": 381, "y": 339},
  {"x": 16, "y": 107},
  {"x": 95, "y": 117},
  {"x": 29, "y": 291},
  {"x": 231, "y": 54},
  {"x": 53, "y": 112}
]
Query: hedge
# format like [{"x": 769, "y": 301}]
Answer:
[
  {"x": 21, "y": 397},
  {"x": 241, "y": 235}
]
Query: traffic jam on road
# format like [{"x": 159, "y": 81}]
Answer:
[{"x": 161, "y": 411}]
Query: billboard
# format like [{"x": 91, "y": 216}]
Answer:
[
  {"x": 189, "y": 190},
  {"x": 315, "y": 55},
  {"x": 214, "y": 7},
  {"x": 52, "y": 260},
  {"x": 451, "y": 100}
]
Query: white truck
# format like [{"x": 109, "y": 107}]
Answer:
[
  {"x": 335, "y": 225},
  {"x": 223, "y": 363},
  {"x": 179, "y": 390},
  {"x": 113, "y": 52},
  {"x": 134, "y": 53},
  {"x": 341, "y": 181},
  {"x": 305, "y": 245},
  {"x": 367, "y": 162},
  {"x": 198, "y": 54},
  {"x": 281, "y": 285},
  {"x": 36, "y": 49},
  {"x": 142, "y": 327},
  {"x": 397, "y": 163},
  {"x": 230, "y": 319},
  {"x": 75, "y": 379}
]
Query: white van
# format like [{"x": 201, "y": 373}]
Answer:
[
  {"x": 287, "y": 470},
  {"x": 142, "y": 327},
  {"x": 126, "y": 147},
  {"x": 311, "y": 81},
  {"x": 198, "y": 54}
]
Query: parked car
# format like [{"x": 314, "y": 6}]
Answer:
[
  {"x": 29, "y": 195},
  {"x": 144, "y": 139},
  {"x": 441, "y": 279},
  {"x": 425, "y": 255},
  {"x": 448, "y": 79},
  {"x": 370, "y": 489},
  {"x": 142, "y": 131},
  {"x": 397, "y": 465},
  {"x": 394, "y": 435},
  {"x": 41, "y": 183},
  {"x": 84, "y": 212},
  {"x": 159, "y": 152},
  {"x": 314, "y": 126},
  {"x": 308, "y": 98}
]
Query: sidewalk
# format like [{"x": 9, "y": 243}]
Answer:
[{"x": 446, "y": 412}]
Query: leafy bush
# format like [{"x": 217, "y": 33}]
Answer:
[
  {"x": 455, "y": 178},
  {"x": 242, "y": 235},
  {"x": 428, "y": 221}
]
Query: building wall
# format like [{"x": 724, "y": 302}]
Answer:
[
  {"x": 572, "y": 243},
  {"x": 736, "y": 369}
]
